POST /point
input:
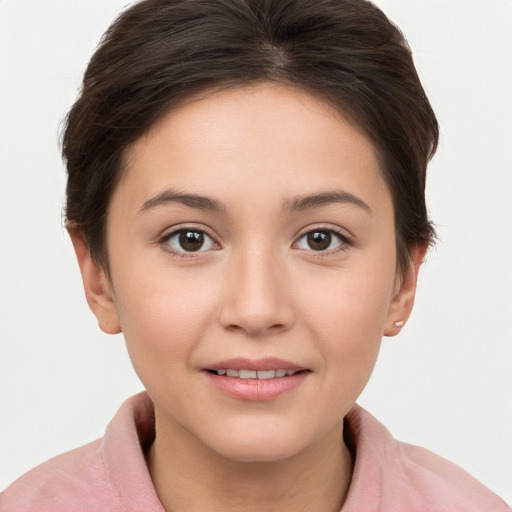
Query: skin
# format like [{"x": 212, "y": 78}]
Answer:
[{"x": 256, "y": 290}]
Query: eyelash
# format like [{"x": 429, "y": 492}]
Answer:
[
  {"x": 164, "y": 242},
  {"x": 344, "y": 241}
]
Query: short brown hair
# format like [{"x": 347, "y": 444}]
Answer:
[{"x": 161, "y": 52}]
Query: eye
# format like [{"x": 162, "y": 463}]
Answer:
[
  {"x": 322, "y": 240},
  {"x": 189, "y": 240}
]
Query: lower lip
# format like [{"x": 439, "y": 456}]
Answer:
[{"x": 256, "y": 389}]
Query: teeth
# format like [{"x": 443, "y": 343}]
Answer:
[
  {"x": 247, "y": 374},
  {"x": 266, "y": 374},
  {"x": 253, "y": 374}
]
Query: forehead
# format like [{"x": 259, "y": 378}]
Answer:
[{"x": 257, "y": 141}]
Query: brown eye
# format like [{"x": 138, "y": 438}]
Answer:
[
  {"x": 190, "y": 240},
  {"x": 321, "y": 240}
]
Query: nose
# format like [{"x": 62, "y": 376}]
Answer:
[{"x": 256, "y": 299}]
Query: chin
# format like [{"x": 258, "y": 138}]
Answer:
[
  {"x": 258, "y": 444},
  {"x": 262, "y": 452}
]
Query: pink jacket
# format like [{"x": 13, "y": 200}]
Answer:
[{"x": 110, "y": 474}]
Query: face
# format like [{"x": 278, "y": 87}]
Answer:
[{"x": 253, "y": 269}]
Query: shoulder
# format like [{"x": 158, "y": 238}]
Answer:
[
  {"x": 442, "y": 483},
  {"x": 392, "y": 476},
  {"x": 75, "y": 480},
  {"x": 107, "y": 474}
]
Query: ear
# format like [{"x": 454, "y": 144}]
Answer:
[
  {"x": 98, "y": 290},
  {"x": 405, "y": 292}
]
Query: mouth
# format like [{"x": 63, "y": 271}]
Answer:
[
  {"x": 262, "y": 369},
  {"x": 255, "y": 374},
  {"x": 256, "y": 379}
]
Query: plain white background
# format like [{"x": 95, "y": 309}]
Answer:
[{"x": 444, "y": 383}]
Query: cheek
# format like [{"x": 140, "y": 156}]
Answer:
[
  {"x": 162, "y": 317},
  {"x": 351, "y": 300},
  {"x": 347, "y": 316}
]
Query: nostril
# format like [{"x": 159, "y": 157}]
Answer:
[{"x": 256, "y": 329}]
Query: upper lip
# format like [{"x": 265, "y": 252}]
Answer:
[{"x": 267, "y": 363}]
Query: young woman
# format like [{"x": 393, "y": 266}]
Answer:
[{"x": 246, "y": 201}]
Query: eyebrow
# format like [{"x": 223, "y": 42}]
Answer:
[
  {"x": 300, "y": 203},
  {"x": 309, "y": 202},
  {"x": 191, "y": 200}
]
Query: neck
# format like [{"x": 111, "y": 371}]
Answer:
[{"x": 189, "y": 476}]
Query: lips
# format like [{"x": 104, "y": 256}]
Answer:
[
  {"x": 267, "y": 363},
  {"x": 254, "y": 374},
  {"x": 255, "y": 380}
]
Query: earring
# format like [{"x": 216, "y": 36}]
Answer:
[{"x": 400, "y": 323}]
